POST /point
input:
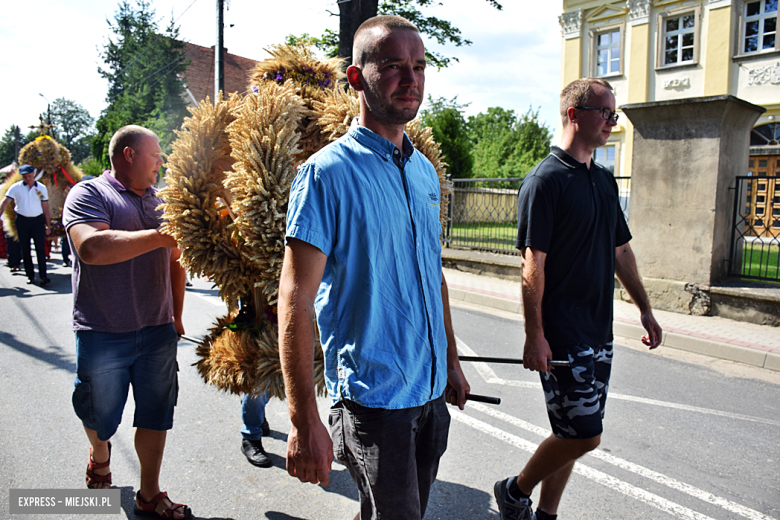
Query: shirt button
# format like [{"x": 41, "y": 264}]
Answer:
[{"x": 387, "y": 156}]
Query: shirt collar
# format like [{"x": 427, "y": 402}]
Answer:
[
  {"x": 566, "y": 159},
  {"x": 118, "y": 186},
  {"x": 378, "y": 144}
]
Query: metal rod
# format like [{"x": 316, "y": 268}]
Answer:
[
  {"x": 483, "y": 399},
  {"x": 512, "y": 361},
  {"x": 190, "y": 338}
]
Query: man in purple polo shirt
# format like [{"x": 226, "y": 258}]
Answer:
[{"x": 128, "y": 293}]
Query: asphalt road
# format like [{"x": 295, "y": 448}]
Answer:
[{"x": 685, "y": 436}]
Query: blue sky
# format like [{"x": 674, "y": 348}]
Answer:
[{"x": 52, "y": 48}]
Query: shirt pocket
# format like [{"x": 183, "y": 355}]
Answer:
[{"x": 431, "y": 224}]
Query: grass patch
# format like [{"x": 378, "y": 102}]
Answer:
[
  {"x": 761, "y": 261},
  {"x": 487, "y": 235}
]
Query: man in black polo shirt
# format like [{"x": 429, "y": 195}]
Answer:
[{"x": 574, "y": 240}]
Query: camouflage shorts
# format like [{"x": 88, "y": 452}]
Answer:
[{"x": 576, "y": 396}]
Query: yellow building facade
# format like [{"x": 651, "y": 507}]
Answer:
[{"x": 658, "y": 50}]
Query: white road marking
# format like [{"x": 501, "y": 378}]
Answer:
[
  {"x": 211, "y": 299},
  {"x": 595, "y": 475},
  {"x": 490, "y": 377},
  {"x": 634, "y": 468},
  {"x": 689, "y": 408}
]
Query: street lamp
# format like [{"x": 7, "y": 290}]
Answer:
[{"x": 48, "y": 109}]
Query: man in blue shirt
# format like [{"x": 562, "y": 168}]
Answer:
[{"x": 363, "y": 250}]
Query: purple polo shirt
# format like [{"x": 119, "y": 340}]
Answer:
[{"x": 130, "y": 295}]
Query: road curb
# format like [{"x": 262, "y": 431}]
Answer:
[
  {"x": 715, "y": 349},
  {"x": 485, "y": 300}
]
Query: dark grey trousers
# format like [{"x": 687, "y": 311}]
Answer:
[{"x": 392, "y": 455}]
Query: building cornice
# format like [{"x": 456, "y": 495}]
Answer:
[{"x": 571, "y": 24}]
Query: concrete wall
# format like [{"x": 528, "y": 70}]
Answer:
[{"x": 685, "y": 156}]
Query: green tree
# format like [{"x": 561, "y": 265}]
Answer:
[
  {"x": 142, "y": 68},
  {"x": 10, "y": 144},
  {"x": 73, "y": 126},
  {"x": 505, "y": 145},
  {"x": 445, "y": 117},
  {"x": 352, "y": 14}
]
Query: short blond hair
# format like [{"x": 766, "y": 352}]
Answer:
[
  {"x": 363, "y": 46},
  {"x": 126, "y": 136},
  {"x": 577, "y": 93}
]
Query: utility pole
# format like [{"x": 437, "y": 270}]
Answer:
[
  {"x": 219, "y": 58},
  {"x": 17, "y": 143}
]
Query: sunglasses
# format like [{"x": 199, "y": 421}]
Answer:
[{"x": 606, "y": 113}]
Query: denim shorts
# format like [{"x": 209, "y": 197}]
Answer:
[
  {"x": 576, "y": 395},
  {"x": 392, "y": 455},
  {"x": 108, "y": 363}
]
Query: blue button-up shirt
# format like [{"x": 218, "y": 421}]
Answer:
[{"x": 379, "y": 306}]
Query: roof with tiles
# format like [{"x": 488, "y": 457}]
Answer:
[{"x": 199, "y": 77}]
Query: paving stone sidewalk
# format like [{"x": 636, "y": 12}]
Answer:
[{"x": 742, "y": 342}]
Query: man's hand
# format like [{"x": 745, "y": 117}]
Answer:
[
  {"x": 654, "y": 332},
  {"x": 310, "y": 453},
  {"x": 457, "y": 387},
  {"x": 536, "y": 354},
  {"x": 179, "y": 326}
]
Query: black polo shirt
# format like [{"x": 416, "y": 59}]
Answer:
[{"x": 573, "y": 214}]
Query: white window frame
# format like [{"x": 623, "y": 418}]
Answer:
[
  {"x": 594, "y": 49},
  {"x": 761, "y": 17},
  {"x": 662, "y": 35},
  {"x": 616, "y": 146}
]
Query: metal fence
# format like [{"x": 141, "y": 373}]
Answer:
[
  {"x": 483, "y": 213},
  {"x": 755, "y": 235}
]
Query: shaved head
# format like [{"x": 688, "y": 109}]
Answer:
[
  {"x": 369, "y": 35},
  {"x": 127, "y": 136}
]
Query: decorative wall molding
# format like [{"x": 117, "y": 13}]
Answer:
[
  {"x": 670, "y": 84},
  {"x": 769, "y": 75},
  {"x": 717, "y": 4},
  {"x": 571, "y": 24},
  {"x": 605, "y": 12},
  {"x": 638, "y": 11}
]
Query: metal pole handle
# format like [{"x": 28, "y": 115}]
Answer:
[
  {"x": 483, "y": 399},
  {"x": 512, "y": 361}
]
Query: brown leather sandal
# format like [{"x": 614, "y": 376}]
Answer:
[
  {"x": 144, "y": 508},
  {"x": 95, "y": 481}
]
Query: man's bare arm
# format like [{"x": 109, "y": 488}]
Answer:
[
  {"x": 536, "y": 351},
  {"x": 457, "y": 386},
  {"x": 178, "y": 283},
  {"x": 309, "y": 446},
  {"x": 97, "y": 244},
  {"x": 4, "y": 204},
  {"x": 628, "y": 274},
  {"x": 46, "y": 214}
]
